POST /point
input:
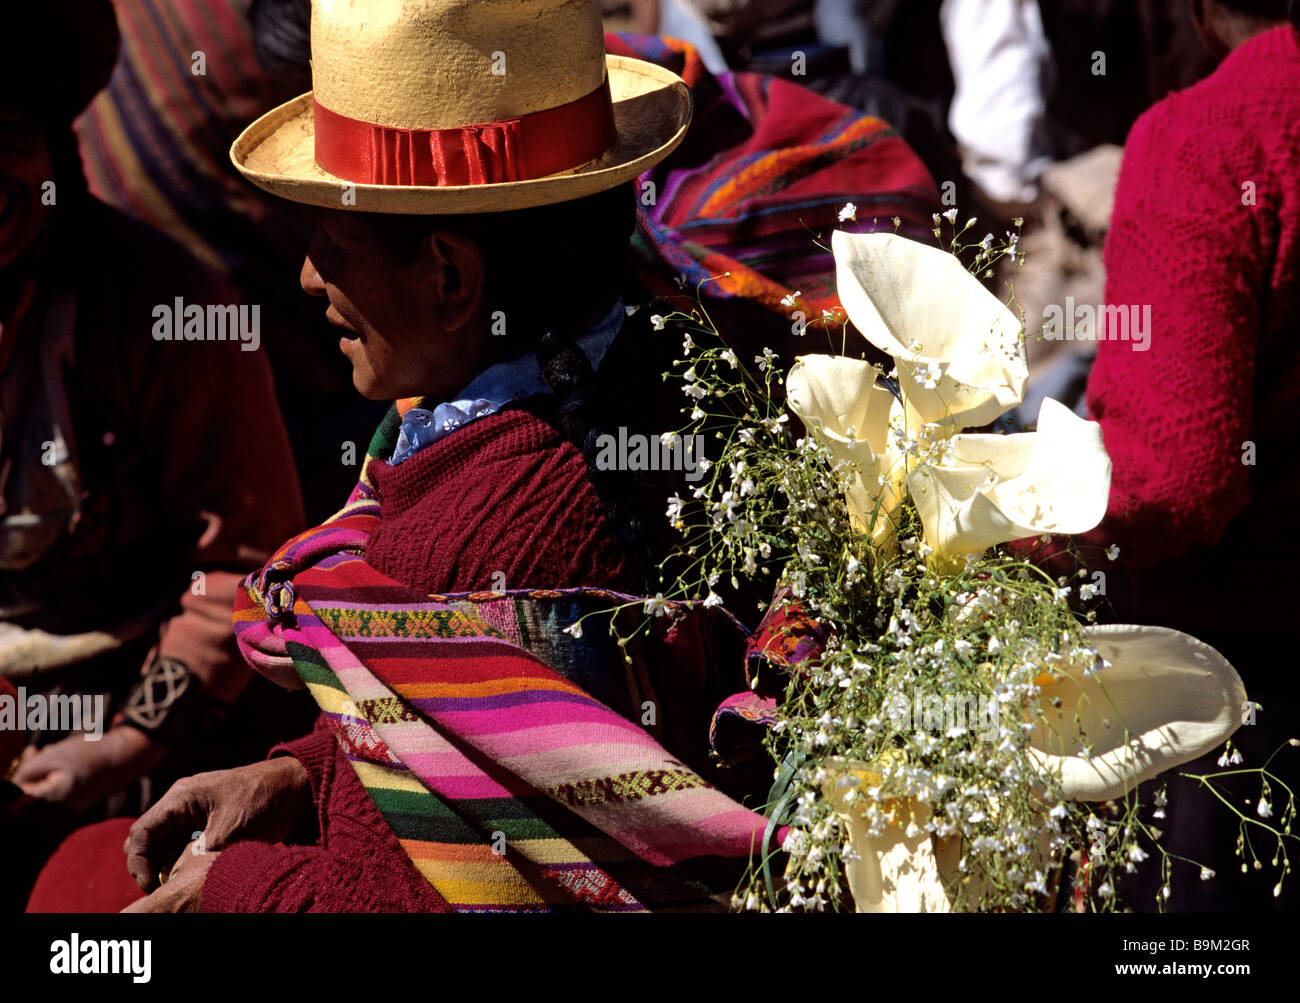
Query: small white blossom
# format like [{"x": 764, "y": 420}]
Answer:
[
  {"x": 657, "y": 606},
  {"x": 658, "y": 322},
  {"x": 1112, "y": 552},
  {"x": 930, "y": 375},
  {"x": 574, "y": 631},
  {"x": 850, "y": 211}
]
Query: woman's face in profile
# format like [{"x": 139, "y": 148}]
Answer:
[{"x": 401, "y": 315}]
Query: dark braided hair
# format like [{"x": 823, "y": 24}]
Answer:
[
  {"x": 549, "y": 269},
  {"x": 584, "y": 417}
]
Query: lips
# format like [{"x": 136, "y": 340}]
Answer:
[{"x": 334, "y": 317}]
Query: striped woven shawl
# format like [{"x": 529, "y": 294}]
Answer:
[{"x": 509, "y": 757}]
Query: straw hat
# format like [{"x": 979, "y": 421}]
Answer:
[{"x": 463, "y": 106}]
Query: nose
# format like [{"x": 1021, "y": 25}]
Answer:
[{"x": 310, "y": 279}]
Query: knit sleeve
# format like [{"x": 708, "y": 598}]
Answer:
[
  {"x": 1176, "y": 408},
  {"x": 258, "y": 877},
  {"x": 316, "y": 751},
  {"x": 356, "y": 866}
]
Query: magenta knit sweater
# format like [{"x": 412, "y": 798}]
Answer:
[{"x": 1202, "y": 426}]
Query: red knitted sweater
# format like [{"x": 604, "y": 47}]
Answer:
[
  {"x": 505, "y": 494},
  {"x": 1201, "y": 426},
  {"x": 502, "y": 503}
]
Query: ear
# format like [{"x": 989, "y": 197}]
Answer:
[{"x": 455, "y": 264}]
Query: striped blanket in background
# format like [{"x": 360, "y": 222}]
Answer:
[
  {"x": 508, "y": 756},
  {"x": 155, "y": 142},
  {"x": 760, "y": 180}
]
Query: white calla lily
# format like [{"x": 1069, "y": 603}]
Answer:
[
  {"x": 839, "y": 400},
  {"x": 1162, "y": 699},
  {"x": 960, "y": 352},
  {"x": 991, "y": 489},
  {"x": 894, "y": 871}
]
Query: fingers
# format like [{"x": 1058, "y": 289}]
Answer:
[
  {"x": 34, "y": 765},
  {"x": 183, "y": 890},
  {"x": 161, "y": 834},
  {"x": 55, "y": 785},
  {"x": 162, "y": 900}
]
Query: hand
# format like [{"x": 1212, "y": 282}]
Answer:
[
  {"x": 80, "y": 773},
  {"x": 265, "y": 801},
  {"x": 183, "y": 890}
]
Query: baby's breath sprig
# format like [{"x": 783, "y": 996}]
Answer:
[{"x": 1271, "y": 817}]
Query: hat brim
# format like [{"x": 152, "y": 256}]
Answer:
[{"x": 652, "y": 109}]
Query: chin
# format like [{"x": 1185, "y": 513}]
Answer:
[{"x": 370, "y": 388}]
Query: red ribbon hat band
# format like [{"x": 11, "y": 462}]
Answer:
[{"x": 516, "y": 149}]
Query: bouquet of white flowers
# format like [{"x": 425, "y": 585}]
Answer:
[{"x": 966, "y": 726}]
